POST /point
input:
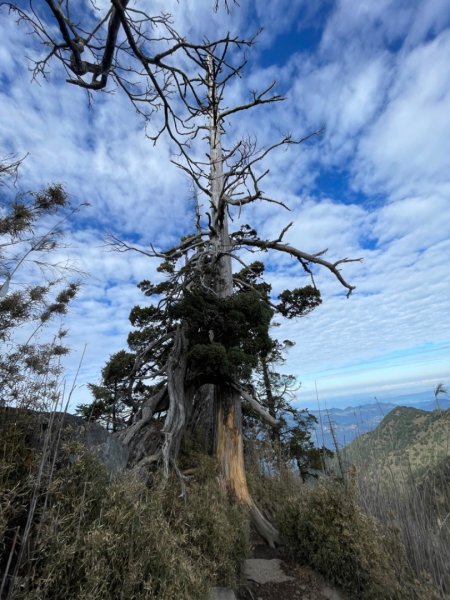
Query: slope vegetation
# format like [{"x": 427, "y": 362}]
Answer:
[{"x": 407, "y": 440}]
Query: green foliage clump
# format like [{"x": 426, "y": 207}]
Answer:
[
  {"x": 214, "y": 359},
  {"x": 326, "y": 528},
  {"x": 299, "y": 301},
  {"x": 226, "y": 335}
]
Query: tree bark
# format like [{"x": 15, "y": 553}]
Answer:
[
  {"x": 229, "y": 442},
  {"x": 230, "y": 454}
]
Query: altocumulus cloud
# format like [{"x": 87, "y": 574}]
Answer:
[{"x": 374, "y": 185}]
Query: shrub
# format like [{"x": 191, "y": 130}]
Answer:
[
  {"x": 326, "y": 528},
  {"x": 273, "y": 491},
  {"x": 95, "y": 539},
  {"x": 216, "y": 527}
]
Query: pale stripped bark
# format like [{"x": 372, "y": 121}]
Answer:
[
  {"x": 229, "y": 441},
  {"x": 229, "y": 450}
]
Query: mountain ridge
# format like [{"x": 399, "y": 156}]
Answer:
[
  {"x": 353, "y": 421},
  {"x": 407, "y": 440}
]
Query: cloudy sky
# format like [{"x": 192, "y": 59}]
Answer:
[{"x": 375, "y": 185}]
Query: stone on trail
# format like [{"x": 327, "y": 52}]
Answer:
[
  {"x": 263, "y": 570},
  {"x": 330, "y": 593},
  {"x": 222, "y": 593}
]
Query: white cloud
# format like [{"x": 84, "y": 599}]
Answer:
[
  {"x": 367, "y": 26},
  {"x": 380, "y": 83},
  {"x": 406, "y": 149}
]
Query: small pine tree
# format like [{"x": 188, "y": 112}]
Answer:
[
  {"x": 113, "y": 403},
  {"x": 30, "y": 229},
  {"x": 291, "y": 443}
]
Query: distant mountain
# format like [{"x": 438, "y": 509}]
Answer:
[
  {"x": 348, "y": 423},
  {"x": 353, "y": 421},
  {"x": 407, "y": 440},
  {"x": 439, "y": 404}
]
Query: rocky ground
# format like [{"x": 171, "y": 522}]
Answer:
[{"x": 266, "y": 576}]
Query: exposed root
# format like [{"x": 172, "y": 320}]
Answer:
[
  {"x": 265, "y": 529},
  {"x": 150, "y": 444},
  {"x": 144, "y": 417},
  {"x": 176, "y": 418}
]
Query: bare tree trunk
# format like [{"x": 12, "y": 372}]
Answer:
[
  {"x": 229, "y": 442},
  {"x": 202, "y": 417},
  {"x": 114, "y": 415},
  {"x": 230, "y": 454},
  {"x": 179, "y": 402}
]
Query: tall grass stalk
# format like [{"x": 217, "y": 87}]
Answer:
[
  {"x": 411, "y": 499},
  {"x": 419, "y": 512}
]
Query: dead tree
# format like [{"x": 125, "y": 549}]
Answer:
[
  {"x": 228, "y": 180},
  {"x": 124, "y": 47},
  {"x": 201, "y": 266}
]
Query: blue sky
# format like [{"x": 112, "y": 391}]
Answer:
[{"x": 375, "y": 185}]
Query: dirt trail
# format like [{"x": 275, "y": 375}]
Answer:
[
  {"x": 268, "y": 576},
  {"x": 263, "y": 579}
]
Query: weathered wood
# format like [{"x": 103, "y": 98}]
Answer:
[
  {"x": 229, "y": 441},
  {"x": 256, "y": 406},
  {"x": 230, "y": 454}
]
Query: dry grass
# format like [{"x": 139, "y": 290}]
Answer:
[
  {"x": 66, "y": 531},
  {"x": 327, "y": 528},
  {"x": 92, "y": 538},
  {"x": 350, "y": 536},
  {"x": 418, "y": 509},
  {"x": 403, "y": 480}
]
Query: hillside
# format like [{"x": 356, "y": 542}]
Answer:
[
  {"x": 407, "y": 439},
  {"x": 353, "y": 421},
  {"x": 348, "y": 423}
]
